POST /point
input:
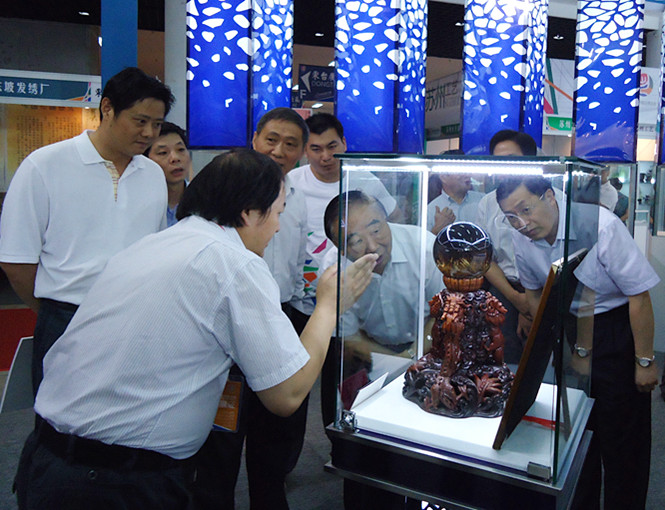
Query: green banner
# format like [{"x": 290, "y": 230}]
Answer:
[
  {"x": 450, "y": 129},
  {"x": 559, "y": 123}
]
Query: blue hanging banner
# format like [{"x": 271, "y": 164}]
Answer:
[
  {"x": 272, "y": 60},
  {"x": 607, "y": 67},
  {"x": 504, "y": 70},
  {"x": 531, "y": 121},
  {"x": 380, "y": 52},
  {"x": 239, "y": 60}
]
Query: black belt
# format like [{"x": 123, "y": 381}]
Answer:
[
  {"x": 59, "y": 304},
  {"x": 95, "y": 453}
]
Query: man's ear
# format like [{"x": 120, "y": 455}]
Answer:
[
  {"x": 549, "y": 195},
  {"x": 251, "y": 217},
  {"x": 106, "y": 108},
  {"x": 245, "y": 217},
  {"x": 254, "y": 140}
]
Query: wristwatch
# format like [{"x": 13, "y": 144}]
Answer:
[
  {"x": 645, "y": 362},
  {"x": 582, "y": 352}
]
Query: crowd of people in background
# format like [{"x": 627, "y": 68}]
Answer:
[{"x": 157, "y": 291}]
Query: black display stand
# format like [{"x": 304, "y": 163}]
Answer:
[{"x": 446, "y": 480}]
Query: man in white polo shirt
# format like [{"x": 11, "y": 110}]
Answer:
[{"x": 74, "y": 204}]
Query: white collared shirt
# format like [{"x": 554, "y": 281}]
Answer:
[
  {"x": 60, "y": 213},
  {"x": 614, "y": 267},
  {"x": 465, "y": 211},
  {"x": 285, "y": 253},
  {"x": 145, "y": 358}
]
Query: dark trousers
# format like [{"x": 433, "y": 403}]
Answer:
[
  {"x": 620, "y": 450},
  {"x": 52, "y": 320},
  {"x": 78, "y": 474},
  {"x": 272, "y": 448}
]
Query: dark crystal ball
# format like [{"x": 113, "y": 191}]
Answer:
[{"x": 463, "y": 250}]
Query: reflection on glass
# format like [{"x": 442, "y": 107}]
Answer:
[{"x": 385, "y": 320}]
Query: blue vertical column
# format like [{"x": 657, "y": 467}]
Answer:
[
  {"x": 661, "y": 112},
  {"x": 504, "y": 70},
  {"x": 239, "y": 59},
  {"x": 607, "y": 72},
  {"x": 380, "y": 53},
  {"x": 119, "y": 36}
]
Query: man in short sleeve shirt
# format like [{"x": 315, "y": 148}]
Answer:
[
  {"x": 502, "y": 275},
  {"x": 131, "y": 388},
  {"x": 457, "y": 202},
  {"x": 74, "y": 204},
  {"x": 622, "y": 369},
  {"x": 272, "y": 443}
]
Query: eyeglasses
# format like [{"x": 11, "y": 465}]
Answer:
[{"x": 517, "y": 219}]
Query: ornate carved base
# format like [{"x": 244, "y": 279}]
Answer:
[{"x": 464, "y": 373}]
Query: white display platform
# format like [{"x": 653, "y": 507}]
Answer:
[{"x": 390, "y": 414}]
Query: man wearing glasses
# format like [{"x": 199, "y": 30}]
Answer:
[{"x": 621, "y": 352}]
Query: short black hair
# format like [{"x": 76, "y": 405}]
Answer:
[
  {"x": 167, "y": 129},
  {"x": 614, "y": 181},
  {"x": 132, "y": 85},
  {"x": 536, "y": 184},
  {"x": 231, "y": 183},
  {"x": 322, "y": 122},
  {"x": 355, "y": 197},
  {"x": 285, "y": 114},
  {"x": 525, "y": 142}
]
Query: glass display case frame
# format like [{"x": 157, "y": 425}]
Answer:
[
  {"x": 384, "y": 440},
  {"x": 659, "y": 207}
]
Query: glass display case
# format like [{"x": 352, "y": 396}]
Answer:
[{"x": 438, "y": 397}]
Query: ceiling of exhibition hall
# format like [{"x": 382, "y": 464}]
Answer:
[{"x": 314, "y": 21}]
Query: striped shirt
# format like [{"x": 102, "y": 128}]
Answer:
[{"x": 144, "y": 360}]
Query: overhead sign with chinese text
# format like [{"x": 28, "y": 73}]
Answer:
[
  {"x": 54, "y": 89},
  {"x": 316, "y": 83}
]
